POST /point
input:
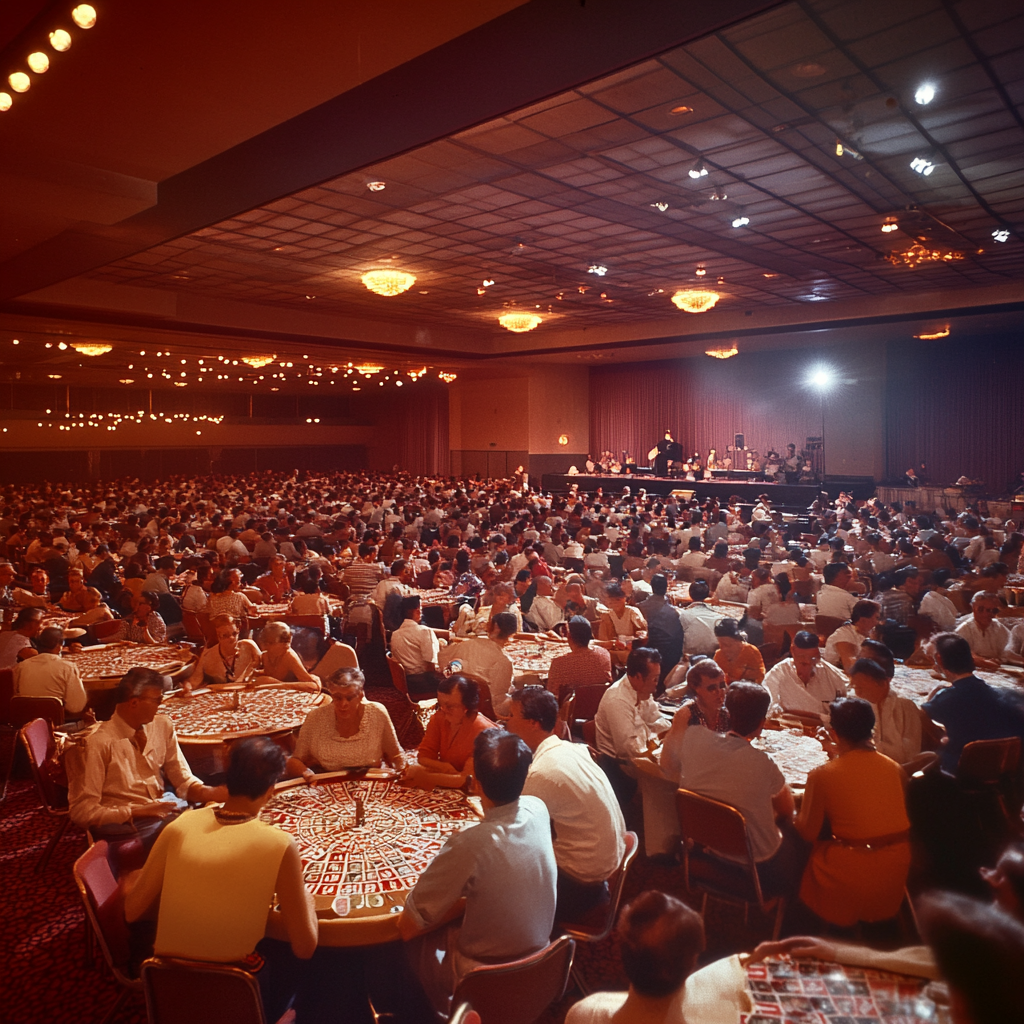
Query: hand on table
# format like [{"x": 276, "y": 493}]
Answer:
[
  {"x": 155, "y": 809},
  {"x": 797, "y": 946}
]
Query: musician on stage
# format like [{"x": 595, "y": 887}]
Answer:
[{"x": 665, "y": 451}]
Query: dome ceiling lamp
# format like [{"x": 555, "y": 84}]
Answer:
[
  {"x": 519, "y": 323},
  {"x": 695, "y": 300},
  {"x": 91, "y": 348},
  {"x": 388, "y": 282},
  {"x": 258, "y": 362}
]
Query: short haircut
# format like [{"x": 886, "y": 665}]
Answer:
[
  {"x": 979, "y": 950},
  {"x": 834, "y": 569},
  {"x": 537, "y": 705},
  {"x": 50, "y": 639},
  {"x": 224, "y": 619},
  {"x": 151, "y": 597},
  {"x": 345, "y": 678},
  {"x": 706, "y": 668},
  {"x": 614, "y": 591},
  {"x": 659, "y": 584},
  {"x": 275, "y": 632},
  {"x": 987, "y": 596},
  {"x": 409, "y": 605},
  {"x": 165, "y": 562},
  {"x": 869, "y": 668},
  {"x": 864, "y": 610},
  {"x": 954, "y": 653},
  {"x": 805, "y": 640},
  {"x": 467, "y": 689},
  {"x": 580, "y": 631},
  {"x": 729, "y": 627},
  {"x": 135, "y": 681},
  {"x": 254, "y": 765},
  {"x": 506, "y": 624},
  {"x": 747, "y": 704},
  {"x": 699, "y": 590},
  {"x": 880, "y": 655},
  {"x": 660, "y": 939},
  {"x": 852, "y": 719},
  {"x": 501, "y": 761},
  {"x": 640, "y": 658},
  {"x": 27, "y": 615}
]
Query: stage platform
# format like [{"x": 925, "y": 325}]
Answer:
[{"x": 791, "y": 495}]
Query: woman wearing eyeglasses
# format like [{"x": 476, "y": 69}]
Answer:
[{"x": 704, "y": 702}]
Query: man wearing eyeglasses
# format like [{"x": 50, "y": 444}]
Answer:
[{"x": 119, "y": 776}]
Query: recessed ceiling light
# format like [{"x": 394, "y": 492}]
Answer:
[
  {"x": 6, "y": 101},
  {"x": 717, "y": 196},
  {"x": 698, "y": 170},
  {"x": 39, "y": 62},
  {"x": 20, "y": 82},
  {"x": 1001, "y": 235},
  {"x": 597, "y": 268},
  {"x": 890, "y": 224},
  {"x": 741, "y": 222},
  {"x": 60, "y": 40},
  {"x": 488, "y": 281},
  {"x": 925, "y": 93},
  {"x": 376, "y": 186},
  {"x": 809, "y": 69},
  {"x": 922, "y": 166},
  {"x": 660, "y": 206},
  {"x": 681, "y": 109},
  {"x": 84, "y": 16}
]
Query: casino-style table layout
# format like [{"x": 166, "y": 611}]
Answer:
[
  {"x": 364, "y": 840},
  {"x": 212, "y": 717},
  {"x": 103, "y": 666},
  {"x": 535, "y": 655}
]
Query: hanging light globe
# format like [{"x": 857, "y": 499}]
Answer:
[
  {"x": 388, "y": 282},
  {"x": 695, "y": 300},
  {"x": 519, "y": 322}
]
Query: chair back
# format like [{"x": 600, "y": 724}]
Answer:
[
  {"x": 770, "y": 654},
  {"x": 520, "y": 991},
  {"x": 104, "y": 908},
  {"x": 717, "y": 828},
  {"x": 598, "y": 925},
  {"x": 586, "y": 700},
  {"x": 986, "y": 762},
  {"x": 37, "y": 738},
  {"x": 398, "y": 675},
  {"x": 176, "y": 988},
  {"x": 464, "y": 1014},
  {"x": 486, "y": 706},
  {"x": 316, "y": 622},
  {"x": 193, "y": 627},
  {"x": 590, "y": 733},
  {"x": 24, "y": 709},
  {"x": 102, "y": 630},
  {"x": 6, "y": 693},
  {"x": 337, "y": 655},
  {"x": 826, "y": 625}
]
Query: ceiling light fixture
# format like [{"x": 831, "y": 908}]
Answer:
[
  {"x": 811, "y": 69},
  {"x": 127, "y": 380},
  {"x": 488, "y": 281},
  {"x": 53, "y": 376},
  {"x": 935, "y": 335},
  {"x": 922, "y": 165},
  {"x": 662, "y": 207},
  {"x": 695, "y": 300},
  {"x": 890, "y": 224},
  {"x": 447, "y": 377},
  {"x": 925, "y": 93},
  {"x": 722, "y": 352},
  {"x": 681, "y": 109},
  {"x": 716, "y": 196},
  {"x": 60, "y": 40},
  {"x": 91, "y": 348},
  {"x": 19, "y": 81},
  {"x": 376, "y": 186},
  {"x": 368, "y": 369},
  {"x": 597, "y": 268},
  {"x": 918, "y": 254},
  {"x": 6, "y": 101},
  {"x": 700, "y": 271},
  {"x": 39, "y": 62},
  {"x": 1001, "y": 235},
  {"x": 388, "y": 282},
  {"x": 258, "y": 362},
  {"x": 698, "y": 170},
  {"x": 741, "y": 222},
  {"x": 519, "y": 323},
  {"x": 84, "y": 16}
]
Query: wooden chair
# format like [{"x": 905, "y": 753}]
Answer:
[
  {"x": 316, "y": 622},
  {"x": 710, "y": 833},
  {"x": 520, "y": 991},
  {"x": 103, "y": 630},
  {"x": 770, "y": 654},
  {"x": 589, "y": 730},
  {"x": 486, "y": 706},
  {"x": 193, "y": 627},
  {"x": 24, "y": 709},
  {"x": 37, "y": 738},
  {"x": 597, "y": 925},
  {"x": 423, "y": 708},
  {"x": 826, "y": 625},
  {"x": 104, "y": 910},
  {"x": 175, "y": 989},
  {"x": 583, "y": 705},
  {"x": 990, "y": 769}
]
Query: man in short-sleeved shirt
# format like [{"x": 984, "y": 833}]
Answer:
[
  {"x": 583, "y": 664},
  {"x": 803, "y": 683},
  {"x": 48, "y": 675}
]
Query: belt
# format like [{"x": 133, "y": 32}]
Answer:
[{"x": 877, "y": 842}]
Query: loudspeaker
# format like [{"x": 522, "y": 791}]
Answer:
[{"x": 739, "y": 441}]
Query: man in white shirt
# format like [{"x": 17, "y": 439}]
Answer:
[
  {"x": 699, "y": 621},
  {"x": 834, "y": 598},
  {"x": 484, "y": 658},
  {"x": 803, "y": 684},
  {"x": 586, "y": 820},
  {"x": 898, "y": 720},
  {"x": 48, "y": 675},
  {"x": 987, "y": 636},
  {"x": 629, "y": 722},
  {"x": 545, "y": 613},
  {"x": 416, "y": 647}
]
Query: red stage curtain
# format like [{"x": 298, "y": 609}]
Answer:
[{"x": 422, "y": 414}]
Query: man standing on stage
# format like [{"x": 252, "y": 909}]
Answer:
[{"x": 664, "y": 452}]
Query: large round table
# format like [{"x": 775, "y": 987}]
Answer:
[
  {"x": 360, "y": 866},
  {"x": 103, "y": 665}
]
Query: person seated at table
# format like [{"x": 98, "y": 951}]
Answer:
[
  {"x": 664, "y": 630},
  {"x": 94, "y": 609},
  {"x": 119, "y": 791},
  {"x": 416, "y": 648},
  {"x": 280, "y": 665},
  {"x": 37, "y": 594},
  {"x": 586, "y": 820},
  {"x": 484, "y": 658},
  {"x": 226, "y": 597},
  {"x": 478, "y": 623},
  {"x": 214, "y": 872},
  {"x": 621, "y": 623},
  {"x": 584, "y": 665},
  {"x": 145, "y": 625},
  {"x": 445, "y": 756},
  {"x": 228, "y": 661},
  {"x": 738, "y": 659},
  {"x": 48, "y": 675},
  {"x": 699, "y": 621},
  {"x": 843, "y": 645},
  {"x": 499, "y": 875},
  {"x": 703, "y": 696},
  {"x": 834, "y": 597},
  {"x": 349, "y": 732},
  {"x": 803, "y": 684},
  {"x": 860, "y": 873},
  {"x": 196, "y": 595},
  {"x": 660, "y": 938},
  {"x": 275, "y": 582},
  {"x": 74, "y": 597},
  {"x": 629, "y": 723},
  {"x": 308, "y": 599},
  {"x": 987, "y": 636},
  {"x": 544, "y": 612},
  {"x": 16, "y": 642}
]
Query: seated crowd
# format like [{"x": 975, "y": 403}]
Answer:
[{"x": 697, "y": 632}]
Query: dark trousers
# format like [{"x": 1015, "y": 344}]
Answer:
[
  {"x": 780, "y": 875},
  {"x": 576, "y": 898},
  {"x": 422, "y": 684}
]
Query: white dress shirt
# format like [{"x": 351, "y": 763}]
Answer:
[
  {"x": 49, "y": 675},
  {"x": 587, "y": 821},
  {"x": 483, "y": 658},
  {"x": 415, "y": 647},
  {"x": 790, "y": 694},
  {"x": 699, "y": 621},
  {"x": 626, "y": 724},
  {"x": 988, "y": 644},
  {"x": 544, "y": 613},
  {"x": 835, "y": 602},
  {"x": 897, "y": 728}
]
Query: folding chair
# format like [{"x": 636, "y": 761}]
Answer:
[
  {"x": 423, "y": 708},
  {"x": 176, "y": 988},
  {"x": 37, "y": 738}
]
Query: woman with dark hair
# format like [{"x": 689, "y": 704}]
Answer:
[
  {"x": 736, "y": 658},
  {"x": 195, "y": 596},
  {"x": 226, "y": 597},
  {"x": 860, "y": 873},
  {"x": 843, "y": 646},
  {"x": 145, "y": 626}
]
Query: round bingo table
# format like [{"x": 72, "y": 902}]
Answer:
[
  {"x": 208, "y": 722},
  {"x": 103, "y": 666},
  {"x": 534, "y": 656},
  {"x": 364, "y": 840}
]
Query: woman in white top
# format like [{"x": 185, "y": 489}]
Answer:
[
  {"x": 226, "y": 597},
  {"x": 843, "y": 646},
  {"x": 350, "y": 732},
  {"x": 196, "y": 595},
  {"x": 228, "y": 661},
  {"x": 309, "y": 600},
  {"x": 503, "y": 599}
]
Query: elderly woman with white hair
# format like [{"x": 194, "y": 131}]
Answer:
[
  {"x": 350, "y": 732},
  {"x": 280, "y": 666}
]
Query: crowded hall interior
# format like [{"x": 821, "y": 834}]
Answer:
[{"x": 512, "y": 511}]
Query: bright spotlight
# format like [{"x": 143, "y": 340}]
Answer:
[
  {"x": 821, "y": 378},
  {"x": 925, "y": 93}
]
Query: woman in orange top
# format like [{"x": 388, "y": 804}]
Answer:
[
  {"x": 859, "y": 874},
  {"x": 446, "y": 753},
  {"x": 735, "y": 657}
]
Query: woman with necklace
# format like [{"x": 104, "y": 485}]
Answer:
[
  {"x": 704, "y": 702},
  {"x": 228, "y": 661}
]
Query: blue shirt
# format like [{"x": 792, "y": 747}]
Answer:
[{"x": 971, "y": 710}]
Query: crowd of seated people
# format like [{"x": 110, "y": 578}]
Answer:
[{"x": 744, "y": 616}]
